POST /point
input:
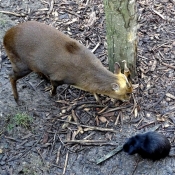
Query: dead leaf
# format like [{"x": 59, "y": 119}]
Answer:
[
  {"x": 161, "y": 119},
  {"x": 153, "y": 67},
  {"x": 45, "y": 138},
  {"x": 109, "y": 114},
  {"x": 108, "y": 136},
  {"x": 92, "y": 19},
  {"x": 170, "y": 96},
  {"x": 103, "y": 119}
]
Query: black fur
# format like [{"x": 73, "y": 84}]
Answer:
[{"x": 151, "y": 145}]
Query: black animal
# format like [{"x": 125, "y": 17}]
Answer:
[{"x": 151, "y": 145}]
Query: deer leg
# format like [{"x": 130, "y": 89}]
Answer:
[
  {"x": 14, "y": 76},
  {"x": 55, "y": 84}
]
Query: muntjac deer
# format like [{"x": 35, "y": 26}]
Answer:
[{"x": 33, "y": 46}]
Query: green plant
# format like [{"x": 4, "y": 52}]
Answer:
[
  {"x": 10, "y": 126},
  {"x": 2, "y": 20},
  {"x": 22, "y": 119}
]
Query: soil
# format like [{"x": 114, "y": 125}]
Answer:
[{"x": 41, "y": 145}]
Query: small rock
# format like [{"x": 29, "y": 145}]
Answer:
[
  {"x": 151, "y": 91},
  {"x": 2, "y": 163},
  {"x": 173, "y": 43},
  {"x": 63, "y": 111},
  {"x": 168, "y": 99},
  {"x": 30, "y": 143}
]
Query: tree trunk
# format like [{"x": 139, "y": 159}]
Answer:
[{"x": 121, "y": 28}]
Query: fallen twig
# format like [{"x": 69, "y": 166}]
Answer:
[
  {"x": 90, "y": 142},
  {"x": 95, "y": 48},
  {"x": 135, "y": 104},
  {"x": 65, "y": 164},
  {"x": 164, "y": 44},
  {"x": 58, "y": 155},
  {"x": 104, "y": 109},
  {"x": 110, "y": 154},
  {"x": 12, "y": 13},
  {"x": 51, "y": 7},
  {"x": 117, "y": 108},
  {"x": 165, "y": 64},
  {"x": 145, "y": 125},
  {"x": 80, "y": 129},
  {"x": 75, "y": 105},
  {"x": 91, "y": 106},
  {"x": 135, "y": 167},
  {"x": 156, "y": 12},
  {"x": 73, "y": 13},
  {"x": 90, "y": 127},
  {"x": 117, "y": 118}
]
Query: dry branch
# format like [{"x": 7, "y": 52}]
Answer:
[
  {"x": 90, "y": 142},
  {"x": 90, "y": 127},
  {"x": 65, "y": 164},
  {"x": 110, "y": 154},
  {"x": 80, "y": 129},
  {"x": 12, "y": 13}
]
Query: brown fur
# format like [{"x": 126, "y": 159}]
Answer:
[
  {"x": 33, "y": 46},
  {"x": 72, "y": 47}
]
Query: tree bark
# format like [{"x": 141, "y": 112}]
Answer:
[{"x": 121, "y": 29}]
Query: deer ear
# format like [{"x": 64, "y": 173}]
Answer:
[
  {"x": 117, "y": 68},
  {"x": 127, "y": 72},
  {"x": 115, "y": 86}
]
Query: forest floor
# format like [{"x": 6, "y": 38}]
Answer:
[{"x": 33, "y": 137}]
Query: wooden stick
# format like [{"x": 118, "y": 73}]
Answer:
[
  {"x": 147, "y": 124},
  {"x": 73, "y": 13},
  {"x": 117, "y": 108},
  {"x": 76, "y": 104},
  {"x": 165, "y": 64},
  {"x": 95, "y": 48},
  {"x": 90, "y": 127},
  {"x": 116, "y": 121},
  {"x": 51, "y": 7},
  {"x": 135, "y": 103},
  {"x": 90, "y": 142},
  {"x": 58, "y": 155},
  {"x": 110, "y": 154},
  {"x": 104, "y": 109},
  {"x": 12, "y": 13},
  {"x": 156, "y": 12},
  {"x": 65, "y": 164},
  {"x": 80, "y": 129}
]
